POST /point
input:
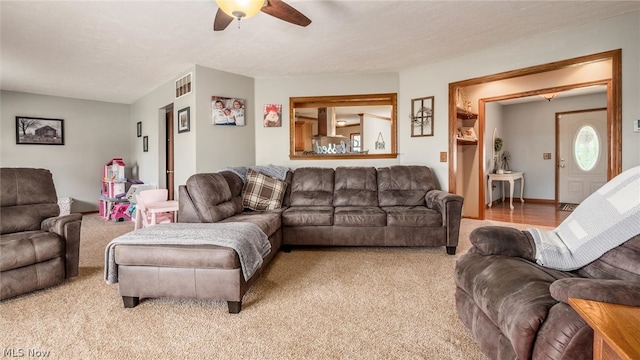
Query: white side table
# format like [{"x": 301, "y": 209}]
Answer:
[{"x": 511, "y": 178}]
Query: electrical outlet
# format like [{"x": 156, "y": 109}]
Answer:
[
  {"x": 546, "y": 156},
  {"x": 443, "y": 156}
]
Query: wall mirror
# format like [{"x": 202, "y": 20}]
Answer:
[{"x": 343, "y": 127}]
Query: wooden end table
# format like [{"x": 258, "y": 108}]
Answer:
[{"x": 616, "y": 328}]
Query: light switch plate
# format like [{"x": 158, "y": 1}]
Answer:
[
  {"x": 636, "y": 125},
  {"x": 546, "y": 156},
  {"x": 443, "y": 156}
]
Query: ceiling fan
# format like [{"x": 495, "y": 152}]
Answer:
[{"x": 243, "y": 9}]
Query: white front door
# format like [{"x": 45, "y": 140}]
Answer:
[{"x": 582, "y": 154}]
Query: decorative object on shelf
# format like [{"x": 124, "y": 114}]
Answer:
[
  {"x": 39, "y": 131},
  {"x": 145, "y": 144},
  {"x": 183, "y": 86},
  {"x": 506, "y": 158},
  {"x": 380, "y": 143},
  {"x": 462, "y": 101},
  {"x": 184, "y": 120},
  {"x": 422, "y": 116},
  {"x": 273, "y": 115},
  {"x": 469, "y": 133},
  {"x": 227, "y": 111},
  {"x": 139, "y": 129}
]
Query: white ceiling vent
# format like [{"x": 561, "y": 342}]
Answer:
[{"x": 183, "y": 86}]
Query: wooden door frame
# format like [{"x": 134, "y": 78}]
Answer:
[{"x": 614, "y": 113}]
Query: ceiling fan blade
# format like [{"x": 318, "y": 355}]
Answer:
[
  {"x": 283, "y": 11},
  {"x": 221, "y": 21}
]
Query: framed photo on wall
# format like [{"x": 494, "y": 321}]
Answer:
[
  {"x": 39, "y": 131},
  {"x": 145, "y": 144},
  {"x": 184, "y": 120},
  {"x": 139, "y": 128},
  {"x": 273, "y": 115},
  {"x": 422, "y": 116},
  {"x": 227, "y": 111}
]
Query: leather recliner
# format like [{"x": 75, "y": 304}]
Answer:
[{"x": 38, "y": 248}]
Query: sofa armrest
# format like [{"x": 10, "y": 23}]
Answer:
[
  {"x": 502, "y": 240},
  {"x": 68, "y": 228},
  {"x": 450, "y": 207},
  {"x": 603, "y": 290}
]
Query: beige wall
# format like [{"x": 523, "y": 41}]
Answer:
[{"x": 94, "y": 133}]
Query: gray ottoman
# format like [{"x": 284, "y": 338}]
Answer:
[{"x": 206, "y": 272}]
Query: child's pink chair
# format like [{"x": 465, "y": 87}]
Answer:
[{"x": 147, "y": 198}]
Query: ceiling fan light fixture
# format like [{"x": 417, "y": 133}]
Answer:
[
  {"x": 341, "y": 123},
  {"x": 241, "y": 9}
]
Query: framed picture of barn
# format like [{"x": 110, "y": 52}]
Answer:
[{"x": 39, "y": 131}]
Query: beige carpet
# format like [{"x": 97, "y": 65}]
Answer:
[{"x": 336, "y": 303}]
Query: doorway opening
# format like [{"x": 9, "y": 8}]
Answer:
[
  {"x": 168, "y": 150},
  {"x": 468, "y": 167}
]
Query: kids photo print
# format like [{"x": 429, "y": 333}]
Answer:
[{"x": 227, "y": 111}]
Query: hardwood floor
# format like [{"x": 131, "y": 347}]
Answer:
[{"x": 543, "y": 214}]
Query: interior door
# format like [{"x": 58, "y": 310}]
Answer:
[
  {"x": 581, "y": 154},
  {"x": 169, "y": 151}
]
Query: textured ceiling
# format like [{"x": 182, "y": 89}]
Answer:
[{"x": 119, "y": 51}]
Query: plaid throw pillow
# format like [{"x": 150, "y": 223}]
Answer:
[{"x": 261, "y": 192}]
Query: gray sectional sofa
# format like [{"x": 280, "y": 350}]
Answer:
[{"x": 345, "y": 206}]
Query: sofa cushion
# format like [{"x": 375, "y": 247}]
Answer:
[
  {"x": 26, "y": 186},
  {"x": 355, "y": 186},
  {"x": 235, "y": 182},
  {"x": 512, "y": 292},
  {"x": 268, "y": 221},
  {"x": 308, "y": 216},
  {"x": 29, "y": 247},
  {"x": 359, "y": 216},
  {"x": 25, "y": 217},
  {"x": 312, "y": 186},
  {"x": 404, "y": 185},
  {"x": 262, "y": 192},
  {"x": 211, "y": 197},
  {"x": 618, "y": 263},
  {"x": 27, "y": 196},
  {"x": 412, "y": 216},
  {"x": 181, "y": 256}
]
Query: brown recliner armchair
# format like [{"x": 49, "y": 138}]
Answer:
[{"x": 38, "y": 248}]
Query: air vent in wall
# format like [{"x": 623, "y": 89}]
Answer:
[{"x": 183, "y": 85}]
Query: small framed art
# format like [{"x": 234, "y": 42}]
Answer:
[
  {"x": 139, "y": 128},
  {"x": 422, "y": 116},
  {"x": 145, "y": 143},
  {"x": 184, "y": 120},
  {"x": 273, "y": 115}
]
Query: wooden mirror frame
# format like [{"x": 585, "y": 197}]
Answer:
[{"x": 338, "y": 101}]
